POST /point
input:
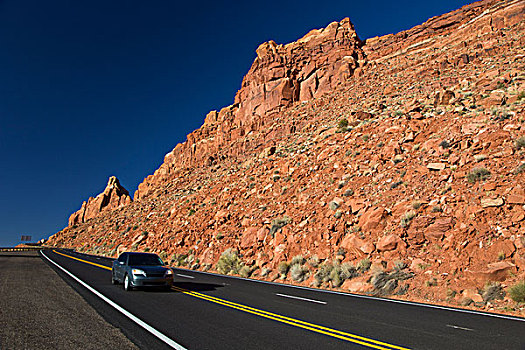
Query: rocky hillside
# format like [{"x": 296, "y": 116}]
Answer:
[{"x": 393, "y": 166}]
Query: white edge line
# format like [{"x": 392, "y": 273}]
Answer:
[
  {"x": 135, "y": 319},
  {"x": 300, "y": 298},
  {"x": 186, "y": 276},
  {"x": 367, "y": 297}
]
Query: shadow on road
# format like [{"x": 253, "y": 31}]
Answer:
[
  {"x": 190, "y": 286},
  {"x": 197, "y": 287}
]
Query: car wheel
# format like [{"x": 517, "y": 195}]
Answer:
[
  {"x": 113, "y": 280},
  {"x": 127, "y": 283}
]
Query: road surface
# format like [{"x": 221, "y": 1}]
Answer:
[{"x": 208, "y": 311}]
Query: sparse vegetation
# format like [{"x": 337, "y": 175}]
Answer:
[
  {"x": 343, "y": 124},
  {"x": 444, "y": 144},
  {"x": 298, "y": 272},
  {"x": 501, "y": 255},
  {"x": 493, "y": 291},
  {"x": 335, "y": 273},
  {"x": 298, "y": 259},
  {"x": 478, "y": 174},
  {"x": 431, "y": 282},
  {"x": 519, "y": 143},
  {"x": 279, "y": 223},
  {"x": 407, "y": 218},
  {"x": 416, "y": 205},
  {"x": 517, "y": 292},
  {"x": 229, "y": 262},
  {"x": 283, "y": 268},
  {"x": 436, "y": 209},
  {"x": 313, "y": 261},
  {"x": 245, "y": 271},
  {"x": 364, "y": 265}
]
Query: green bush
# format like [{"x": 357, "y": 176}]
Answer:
[
  {"x": 517, "y": 292},
  {"x": 343, "y": 123}
]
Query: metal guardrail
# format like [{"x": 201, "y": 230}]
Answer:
[{"x": 20, "y": 249}]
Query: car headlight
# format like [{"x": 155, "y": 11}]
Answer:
[
  {"x": 169, "y": 272},
  {"x": 138, "y": 272}
]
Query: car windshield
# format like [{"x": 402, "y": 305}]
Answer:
[{"x": 144, "y": 259}]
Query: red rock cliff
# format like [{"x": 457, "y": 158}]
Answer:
[{"x": 316, "y": 64}]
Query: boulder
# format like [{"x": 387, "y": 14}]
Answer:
[
  {"x": 390, "y": 242},
  {"x": 373, "y": 219}
]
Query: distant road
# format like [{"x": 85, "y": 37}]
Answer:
[
  {"x": 207, "y": 311},
  {"x": 38, "y": 310}
]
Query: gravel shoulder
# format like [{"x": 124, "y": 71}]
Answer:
[{"x": 38, "y": 310}]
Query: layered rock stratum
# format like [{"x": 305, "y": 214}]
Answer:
[{"x": 392, "y": 166}]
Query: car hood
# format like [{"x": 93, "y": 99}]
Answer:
[{"x": 151, "y": 269}]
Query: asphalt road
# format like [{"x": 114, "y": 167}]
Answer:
[
  {"x": 207, "y": 311},
  {"x": 38, "y": 310}
]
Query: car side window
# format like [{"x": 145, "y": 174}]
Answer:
[{"x": 122, "y": 258}]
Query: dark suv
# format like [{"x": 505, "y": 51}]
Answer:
[{"x": 141, "y": 270}]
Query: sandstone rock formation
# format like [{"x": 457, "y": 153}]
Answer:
[
  {"x": 114, "y": 196},
  {"x": 280, "y": 75},
  {"x": 401, "y": 159}
]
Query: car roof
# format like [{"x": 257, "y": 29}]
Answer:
[{"x": 139, "y": 253}]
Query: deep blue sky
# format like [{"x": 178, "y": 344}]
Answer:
[{"x": 90, "y": 89}]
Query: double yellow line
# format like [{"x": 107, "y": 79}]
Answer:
[{"x": 367, "y": 342}]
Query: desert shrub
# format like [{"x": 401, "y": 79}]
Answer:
[
  {"x": 163, "y": 255},
  {"x": 395, "y": 184},
  {"x": 283, "y": 268},
  {"x": 444, "y": 144},
  {"x": 323, "y": 272},
  {"x": 298, "y": 272},
  {"x": 517, "y": 292},
  {"x": 519, "y": 143},
  {"x": 431, "y": 282},
  {"x": 520, "y": 169},
  {"x": 478, "y": 174},
  {"x": 348, "y": 271},
  {"x": 313, "y": 261},
  {"x": 181, "y": 259},
  {"x": 336, "y": 273},
  {"x": 416, "y": 205},
  {"x": 343, "y": 123},
  {"x": 385, "y": 283},
  {"x": 405, "y": 219},
  {"x": 364, "y": 265},
  {"x": 245, "y": 271},
  {"x": 278, "y": 223},
  {"x": 298, "y": 259},
  {"x": 400, "y": 265},
  {"x": 229, "y": 262},
  {"x": 436, "y": 209},
  {"x": 493, "y": 291}
]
